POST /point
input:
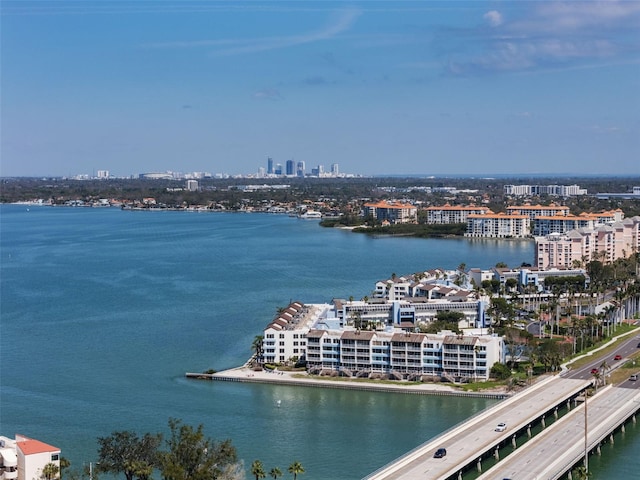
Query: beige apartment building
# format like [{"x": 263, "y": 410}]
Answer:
[{"x": 605, "y": 243}]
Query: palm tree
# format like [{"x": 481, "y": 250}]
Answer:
[
  {"x": 296, "y": 468},
  {"x": 257, "y": 469},
  {"x": 604, "y": 367},
  {"x": 50, "y": 471},
  {"x": 257, "y": 347},
  {"x": 275, "y": 473}
]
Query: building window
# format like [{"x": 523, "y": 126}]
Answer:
[{"x": 55, "y": 457}]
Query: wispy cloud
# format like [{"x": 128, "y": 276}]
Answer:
[
  {"x": 268, "y": 94},
  {"x": 341, "y": 22},
  {"x": 552, "y": 35}
]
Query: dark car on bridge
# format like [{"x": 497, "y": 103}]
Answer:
[{"x": 441, "y": 452}]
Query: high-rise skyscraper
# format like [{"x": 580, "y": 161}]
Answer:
[
  {"x": 278, "y": 170},
  {"x": 290, "y": 167},
  {"x": 335, "y": 171},
  {"x": 270, "y": 166},
  {"x": 300, "y": 169}
]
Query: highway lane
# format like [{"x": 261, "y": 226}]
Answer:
[
  {"x": 466, "y": 443},
  {"x": 549, "y": 454}
]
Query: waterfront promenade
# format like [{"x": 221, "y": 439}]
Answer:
[{"x": 281, "y": 377}]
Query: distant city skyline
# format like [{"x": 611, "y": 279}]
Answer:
[{"x": 377, "y": 87}]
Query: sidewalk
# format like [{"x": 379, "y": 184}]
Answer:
[{"x": 245, "y": 374}]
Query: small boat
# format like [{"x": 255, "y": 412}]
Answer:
[{"x": 310, "y": 214}]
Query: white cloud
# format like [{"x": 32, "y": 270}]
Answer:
[
  {"x": 494, "y": 18},
  {"x": 267, "y": 94},
  {"x": 342, "y": 21},
  {"x": 554, "y": 35}
]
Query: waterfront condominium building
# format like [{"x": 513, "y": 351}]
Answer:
[
  {"x": 525, "y": 277},
  {"x": 403, "y": 355},
  {"x": 605, "y": 243},
  {"x": 393, "y": 212},
  {"x": 498, "y": 225},
  {"x": 25, "y": 458},
  {"x": 453, "y": 213},
  {"x": 379, "y": 337},
  {"x": 538, "y": 210}
]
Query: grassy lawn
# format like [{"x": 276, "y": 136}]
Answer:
[{"x": 604, "y": 353}]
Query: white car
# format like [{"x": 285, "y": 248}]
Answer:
[{"x": 501, "y": 427}]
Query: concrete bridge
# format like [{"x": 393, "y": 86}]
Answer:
[
  {"x": 476, "y": 439},
  {"x": 544, "y": 435}
]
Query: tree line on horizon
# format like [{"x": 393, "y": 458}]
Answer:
[{"x": 339, "y": 193}]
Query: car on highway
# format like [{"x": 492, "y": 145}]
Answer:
[
  {"x": 594, "y": 371},
  {"x": 633, "y": 377},
  {"x": 441, "y": 452},
  {"x": 501, "y": 427},
  {"x": 618, "y": 357}
]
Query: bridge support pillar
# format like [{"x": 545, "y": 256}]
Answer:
[
  {"x": 611, "y": 438},
  {"x": 598, "y": 450},
  {"x": 633, "y": 418},
  {"x": 479, "y": 465},
  {"x": 513, "y": 442},
  {"x": 569, "y": 404},
  {"x": 460, "y": 475},
  {"x": 529, "y": 431},
  {"x": 622, "y": 428},
  {"x": 569, "y": 476},
  {"x": 496, "y": 454},
  {"x": 544, "y": 425},
  {"x": 555, "y": 413}
]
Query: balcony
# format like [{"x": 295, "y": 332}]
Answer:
[{"x": 9, "y": 474}]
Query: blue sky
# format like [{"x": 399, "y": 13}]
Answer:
[{"x": 379, "y": 87}]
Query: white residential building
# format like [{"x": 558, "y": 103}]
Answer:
[
  {"x": 498, "y": 225},
  {"x": 25, "y": 458},
  {"x": 453, "y": 213},
  {"x": 403, "y": 355},
  {"x": 331, "y": 336},
  {"x": 538, "y": 210},
  {"x": 554, "y": 190}
]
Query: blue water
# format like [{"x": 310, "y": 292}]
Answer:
[{"x": 103, "y": 311}]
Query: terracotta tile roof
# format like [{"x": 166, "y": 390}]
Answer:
[{"x": 31, "y": 447}]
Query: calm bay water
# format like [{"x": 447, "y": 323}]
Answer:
[{"x": 103, "y": 311}]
